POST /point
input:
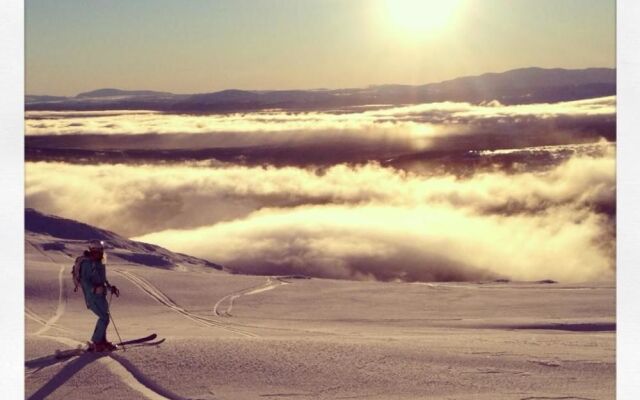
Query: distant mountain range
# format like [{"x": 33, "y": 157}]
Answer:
[
  {"x": 71, "y": 237},
  {"x": 122, "y": 93},
  {"x": 519, "y": 86}
]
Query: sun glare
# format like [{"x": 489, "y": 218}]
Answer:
[{"x": 422, "y": 16}]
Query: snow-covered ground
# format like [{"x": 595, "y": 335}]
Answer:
[{"x": 259, "y": 337}]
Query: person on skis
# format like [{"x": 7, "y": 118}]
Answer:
[{"x": 93, "y": 279}]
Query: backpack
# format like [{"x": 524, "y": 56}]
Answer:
[{"x": 76, "y": 270}]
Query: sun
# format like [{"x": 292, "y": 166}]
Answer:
[{"x": 422, "y": 16}]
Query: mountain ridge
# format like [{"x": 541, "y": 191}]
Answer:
[
  {"x": 517, "y": 86},
  {"x": 108, "y": 92}
]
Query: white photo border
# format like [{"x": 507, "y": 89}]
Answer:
[
  {"x": 12, "y": 198},
  {"x": 628, "y": 199}
]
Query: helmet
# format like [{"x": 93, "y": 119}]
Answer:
[{"x": 96, "y": 245}]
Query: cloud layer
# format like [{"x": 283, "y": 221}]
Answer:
[
  {"x": 145, "y": 122},
  {"x": 410, "y": 244},
  {"x": 365, "y": 222},
  {"x": 399, "y": 136}
]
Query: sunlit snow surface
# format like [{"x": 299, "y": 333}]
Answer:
[{"x": 252, "y": 337}]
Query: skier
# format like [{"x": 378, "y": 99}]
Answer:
[{"x": 95, "y": 286}]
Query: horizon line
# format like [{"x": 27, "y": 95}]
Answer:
[{"x": 372, "y": 85}]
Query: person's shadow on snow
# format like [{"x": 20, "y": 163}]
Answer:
[{"x": 64, "y": 375}]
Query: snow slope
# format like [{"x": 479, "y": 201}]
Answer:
[
  {"x": 52, "y": 233},
  {"x": 255, "y": 337}
]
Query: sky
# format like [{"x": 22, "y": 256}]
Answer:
[{"x": 73, "y": 46}]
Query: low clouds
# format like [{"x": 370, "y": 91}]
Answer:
[
  {"x": 145, "y": 122},
  {"x": 364, "y": 222},
  {"x": 410, "y": 244},
  {"x": 314, "y": 138},
  {"x": 467, "y": 112}
]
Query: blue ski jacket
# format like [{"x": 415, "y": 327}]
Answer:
[{"x": 93, "y": 278}]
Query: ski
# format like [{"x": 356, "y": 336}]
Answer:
[
  {"x": 142, "y": 344},
  {"x": 137, "y": 344},
  {"x": 138, "y": 340},
  {"x": 63, "y": 354}
]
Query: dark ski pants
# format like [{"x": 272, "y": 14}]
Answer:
[{"x": 99, "y": 306}]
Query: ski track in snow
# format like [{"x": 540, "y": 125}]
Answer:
[
  {"x": 156, "y": 294},
  {"x": 270, "y": 284},
  {"x": 136, "y": 380},
  {"x": 62, "y": 297},
  {"x": 35, "y": 317},
  {"x": 62, "y": 303},
  {"x": 122, "y": 368}
]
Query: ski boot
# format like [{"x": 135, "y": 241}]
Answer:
[{"x": 99, "y": 347}]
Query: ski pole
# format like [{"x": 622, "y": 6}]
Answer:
[{"x": 114, "y": 322}]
